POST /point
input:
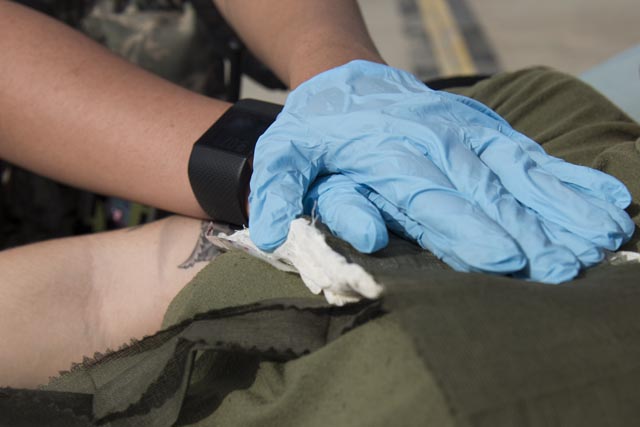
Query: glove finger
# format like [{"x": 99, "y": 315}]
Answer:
[
  {"x": 281, "y": 177},
  {"x": 449, "y": 223},
  {"x": 405, "y": 227},
  {"x": 546, "y": 194},
  {"x": 348, "y": 214},
  {"x": 586, "y": 252},
  {"x": 548, "y": 261},
  {"x": 583, "y": 179}
]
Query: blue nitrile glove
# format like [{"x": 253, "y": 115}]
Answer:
[
  {"x": 441, "y": 169},
  {"x": 339, "y": 203}
]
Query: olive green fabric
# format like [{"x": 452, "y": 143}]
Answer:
[
  {"x": 440, "y": 348},
  {"x": 508, "y": 353},
  {"x": 210, "y": 289},
  {"x": 340, "y": 384}
]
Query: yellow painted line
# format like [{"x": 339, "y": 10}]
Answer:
[{"x": 449, "y": 47}]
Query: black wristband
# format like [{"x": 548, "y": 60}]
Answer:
[{"x": 219, "y": 169}]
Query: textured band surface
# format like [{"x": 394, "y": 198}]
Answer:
[{"x": 219, "y": 166}]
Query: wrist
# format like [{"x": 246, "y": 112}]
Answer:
[
  {"x": 320, "y": 52},
  {"x": 220, "y": 165}
]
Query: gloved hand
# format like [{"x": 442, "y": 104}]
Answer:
[{"x": 441, "y": 169}]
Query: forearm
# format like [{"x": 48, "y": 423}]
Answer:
[
  {"x": 301, "y": 38},
  {"x": 64, "y": 299},
  {"x": 73, "y": 111}
]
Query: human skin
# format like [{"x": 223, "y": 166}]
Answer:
[
  {"x": 75, "y": 112},
  {"x": 63, "y": 299},
  {"x": 301, "y": 38}
]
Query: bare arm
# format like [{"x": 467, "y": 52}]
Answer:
[
  {"x": 64, "y": 299},
  {"x": 301, "y": 38},
  {"x": 73, "y": 111}
]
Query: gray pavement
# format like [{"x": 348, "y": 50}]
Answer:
[{"x": 425, "y": 36}]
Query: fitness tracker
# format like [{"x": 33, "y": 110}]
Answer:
[{"x": 219, "y": 166}]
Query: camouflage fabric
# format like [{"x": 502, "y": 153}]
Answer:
[{"x": 163, "y": 38}]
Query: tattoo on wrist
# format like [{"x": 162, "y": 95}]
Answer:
[{"x": 204, "y": 250}]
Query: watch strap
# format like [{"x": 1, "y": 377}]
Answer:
[{"x": 220, "y": 162}]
